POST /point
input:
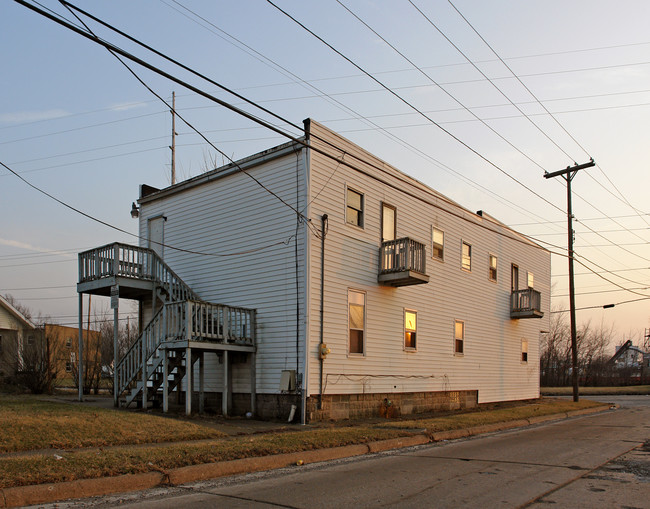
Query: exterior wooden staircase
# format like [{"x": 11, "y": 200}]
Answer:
[{"x": 157, "y": 362}]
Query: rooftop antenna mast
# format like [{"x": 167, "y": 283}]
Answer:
[{"x": 174, "y": 133}]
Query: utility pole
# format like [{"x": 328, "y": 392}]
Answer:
[
  {"x": 568, "y": 174},
  {"x": 173, "y": 145}
]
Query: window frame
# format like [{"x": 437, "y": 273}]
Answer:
[
  {"x": 31, "y": 340},
  {"x": 524, "y": 351},
  {"x": 360, "y": 212},
  {"x": 440, "y": 258},
  {"x": 362, "y": 353},
  {"x": 462, "y": 256},
  {"x": 68, "y": 342},
  {"x": 514, "y": 277},
  {"x": 414, "y": 331},
  {"x": 461, "y": 339},
  {"x": 385, "y": 206},
  {"x": 492, "y": 278},
  {"x": 530, "y": 280}
]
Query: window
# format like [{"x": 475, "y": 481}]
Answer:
[
  {"x": 68, "y": 366},
  {"x": 438, "y": 245},
  {"x": 30, "y": 340},
  {"x": 514, "y": 278},
  {"x": 388, "y": 222},
  {"x": 531, "y": 280},
  {"x": 410, "y": 329},
  {"x": 493, "y": 268},
  {"x": 466, "y": 257},
  {"x": 354, "y": 208},
  {"x": 68, "y": 342},
  {"x": 524, "y": 350},
  {"x": 356, "y": 320},
  {"x": 459, "y": 337}
]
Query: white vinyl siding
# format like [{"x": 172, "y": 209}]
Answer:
[
  {"x": 247, "y": 240},
  {"x": 492, "y": 364}
]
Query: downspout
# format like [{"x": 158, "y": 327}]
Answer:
[{"x": 322, "y": 300}]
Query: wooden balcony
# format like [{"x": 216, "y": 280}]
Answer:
[
  {"x": 402, "y": 262},
  {"x": 526, "y": 304},
  {"x": 135, "y": 270}
]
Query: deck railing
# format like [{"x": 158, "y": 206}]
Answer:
[
  {"x": 402, "y": 255},
  {"x": 185, "y": 321},
  {"x": 526, "y": 301},
  {"x": 123, "y": 260}
]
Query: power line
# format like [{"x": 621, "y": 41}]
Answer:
[
  {"x": 541, "y": 104},
  {"x": 302, "y": 142},
  {"x": 400, "y": 98},
  {"x": 259, "y": 56},
  {"x": 604, "y": 306}
]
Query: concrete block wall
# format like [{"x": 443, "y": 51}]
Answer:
[{"x": 358, "y": 406}]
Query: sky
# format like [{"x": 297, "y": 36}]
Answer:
[{"x": 476, "y": 99}]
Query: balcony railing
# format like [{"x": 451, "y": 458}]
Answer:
[
  {"x": 526, "y": 304},
  {"x": 402, "y": 262},
  {"x": 132, "y": 262}
]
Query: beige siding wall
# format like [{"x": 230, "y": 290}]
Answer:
[
  {"x": 231, "y": 215},
  {"x": 491, "y": 361}
]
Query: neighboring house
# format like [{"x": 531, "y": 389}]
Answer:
[
  {"x": 628, "y": 355},
  {"x": 61, "y": 343},
  {"x": 420, "y": 304},
  {"x": 16, "y": 331}
]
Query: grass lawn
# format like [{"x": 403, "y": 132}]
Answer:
[
  {"x": 27, "y": 423},
  {"x": 470, "y": 419},
  {"x": 596, "y": 391},
  {"x": 32, "y": 424}
]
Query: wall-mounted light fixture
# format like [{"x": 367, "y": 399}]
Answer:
[{"x": 135, "y": 211}]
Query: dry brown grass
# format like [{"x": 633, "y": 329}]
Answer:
[
  {"x": 470, "y": 419},
  {"x": 597, "y": 391},
  {"x": 40, "y": 425},
  {"x": 40, "y": 469},
  {"x": 27, "y": 423}
]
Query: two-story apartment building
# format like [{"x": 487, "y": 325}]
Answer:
[{"x": 346, "y": 288}]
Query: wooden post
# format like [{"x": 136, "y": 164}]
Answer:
[
  {"x": 227, "y": 389},
  {"x": 253, "y": 384},
  {"x": 188, "y": 381},
  {"x": 201, "y": 380},
  {"x": 81, "y": 349},
  {"x": 165, "y": 382},
  {"x": 115, "y": 356}
]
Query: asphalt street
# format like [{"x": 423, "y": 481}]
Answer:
[{"x": 593, "y": 461}]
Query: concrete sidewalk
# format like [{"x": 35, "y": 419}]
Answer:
[{"x": 47, "y": 493}]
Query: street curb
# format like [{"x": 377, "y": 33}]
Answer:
[{"x": 84, "y": 488}]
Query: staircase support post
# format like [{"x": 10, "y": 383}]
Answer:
[
  {"x": 188, "y": 381},
  {"x": 253, "y": 384},
  {"x": 165, "y": 383},
  {"x": 227, "y": 386},
  {"x": 201, "y": 379},
  {"x": 115, "y": 355}
]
